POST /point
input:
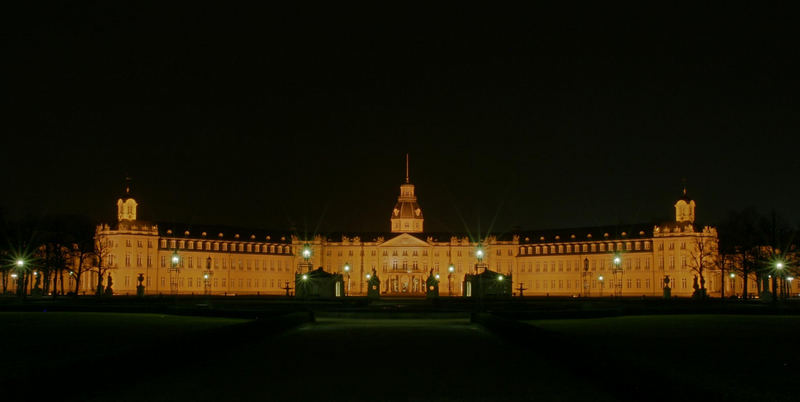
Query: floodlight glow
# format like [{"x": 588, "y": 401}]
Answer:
[
  {"x": 175, "y": 259},
  {"x": 601, "y": 277},
  {"x": 789, "y": 278},
  {"x": 479, "y": 253},
  {"x": 306, "y": 252},
  {"x": 35, "y": 273},
  {"x": 437, "y": 276},
  {"x": 205, "y": 276},
  {"x": 305, "y": 277},
  {"x": 733, "y": 275},
  {"x": 499, "y": 277},
  {"x": 14, "y": 276},
  {"x": 779, "y": 265},
  {"x": 451, "y": 268},
  {"x": 617, "y": 260},
  {"x": 20, "y": 263},
  {"x": 347, "y": 268},
  {"x": 369, "y": 276}
]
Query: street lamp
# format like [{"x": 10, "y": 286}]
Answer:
[
  {"x": 778, "y": 269},
  {"x": 207, "y": 276},
  {"x": 450, "y": 271},
  {"x": 347, "y": 272},
  {"x": 733, "y": 284},
  {"x": 617, "y": 282},
  {"x": 600, "y": 278},
  {"x": 306, "y": 252},
  {"x": 21, "y": 269},
  {"x": 173, "y": 271}
]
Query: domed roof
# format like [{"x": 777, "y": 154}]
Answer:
[{"x": 407, "y": 210}]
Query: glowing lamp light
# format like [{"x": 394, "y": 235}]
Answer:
[
  {"x": 175, "y": 259},
  {"x": 14, "y": 276},
  {"x": 451, "y": 268},
  {"x": 779, "y": 265},
  {"x": 790, "y": 278},
  {"x": 600, "y": 278},
  {"x": 306, "y": 252},
  {"x": 20, "y": 263},
  {"x": 499, "y": 277},
  {"x": 733, "y": 275},
  {"x": 205, "y": 276},
  {"x": 347, "y": 268},
  {"x": 369, "y": 276},
  {"x": 35, "y": 273},
  {"x": 479, "y": 253},
  {"x": 617, "y": 260},
  {"x": 305, "y": 277},
  {"x": 437, "y": 276}
]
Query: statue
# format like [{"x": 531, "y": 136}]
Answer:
[
  {"x": 109, "y": 290},
  {"x": 699, "y": 291},
  {"x": 37, "y": 290},
  {"x": 432, "y": 286},
  {"x": 140, "y": 286},
  {"x": 374, "y": 286}
]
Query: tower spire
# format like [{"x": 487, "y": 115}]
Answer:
[{"x": 406, "y": 167}]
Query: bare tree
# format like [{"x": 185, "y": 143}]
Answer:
[
  {"x": 702, "y": 258},
  {"x": 724, "y": 261},
  {"x": 82, "y": 257},
  {"x": 103, "y": 262}
]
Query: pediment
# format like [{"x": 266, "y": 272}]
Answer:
[{"x": 404, "y": 240}]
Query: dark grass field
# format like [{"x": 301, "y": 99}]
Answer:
[
  {"x": 75, "y": 344},
  {"x": 405, "y": 354},
  {"x": 347, "y": 359},
  {"x": 729, "y": 357}
]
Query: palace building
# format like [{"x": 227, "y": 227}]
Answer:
[{"x": 625, "y": 260}]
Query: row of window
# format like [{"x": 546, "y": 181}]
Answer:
[
  {"x": 600, "y": 265},
  {"x": 224, "y": 263},
  {"x": 584, "y": 248},
  {"x": 139, "y": 243},
  {"x": 607, "y": 283},
  {"x": 223, "y": 246},
  {"x": 594, "y": 284},
  {"x": 414, "y": 253},
  {"x": 216, "y": 283}
]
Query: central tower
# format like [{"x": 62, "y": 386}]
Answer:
[{"x": 407, "y": 215}]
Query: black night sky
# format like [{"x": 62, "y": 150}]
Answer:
[{"x": 274, "y": 118}]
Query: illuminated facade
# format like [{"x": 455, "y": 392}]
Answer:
[{"x": 627, "y": 260}]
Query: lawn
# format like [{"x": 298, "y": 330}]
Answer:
[
  {"x": 738, "y": 357},
  {"x": 32, "y": 342}
]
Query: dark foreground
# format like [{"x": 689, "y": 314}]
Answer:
[{"x": 398, "y": 353}]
